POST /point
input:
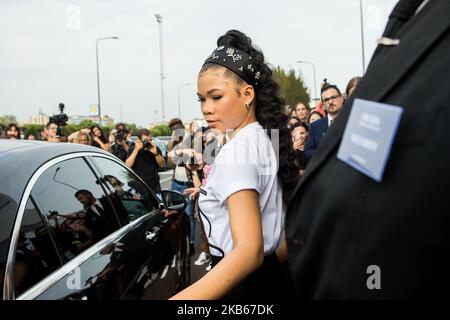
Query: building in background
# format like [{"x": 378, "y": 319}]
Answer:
[
  {"x": 76, "y": 120},
  {"x": 40, "y": 119}
]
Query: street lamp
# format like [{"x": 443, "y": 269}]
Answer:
[
  {"x": 179, "y": 103},
  {"x": 98, "y": 77},
  {"x": 315, "y": 79},
  {"x": 159, "y": 20},
  {"x": 362, "y": 35}
]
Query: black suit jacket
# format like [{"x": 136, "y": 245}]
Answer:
[
  {"x": 316, "y": 132},
  {"x": 104, "y": 224},
  {"x": 340, "y": 222}
]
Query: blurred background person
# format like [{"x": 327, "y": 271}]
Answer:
[
  {"x": 30, "y": 136},
  {"x": 145, "y": 158},
  {"x": 120, "y": 142},
  {"x": 12, "y": 131},
  {"x": 181, "y": 154},
  {"x": 193, "y": 128},
  {"x": 351, "y": 86},
  {"x": 292, "y": 122},
  {"x": 299, "y": 135},
  {"x": 301, "y": 111},
  {"x": 51, "y": 132},
  {"x": 333, "y": 102},
  {"x": 83, "y": 138},
  {"x": 99, "y": 139},
  {"x": 177, "y": 130},
  {"x": 314, "y": 116}
]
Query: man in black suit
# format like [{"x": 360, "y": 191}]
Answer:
[
  {"x": 333, "y": 102},
  {"x": 98, "y": 214},
  {"x": 350, "y": 237}
]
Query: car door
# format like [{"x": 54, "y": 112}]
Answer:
[
  {"x": 91, "y": 239},
  {"x": 163, "y": 242}
]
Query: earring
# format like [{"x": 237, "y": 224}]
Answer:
[{"x": 247, "y": 105}]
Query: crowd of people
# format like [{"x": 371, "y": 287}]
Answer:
[
  {"x": 192, "y": 153},
  {"x": 257, "y": 208}
]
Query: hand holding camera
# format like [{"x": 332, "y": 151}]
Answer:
[
  {"x": 139, "y": 145},
  {"x": 148, "y": 145}
]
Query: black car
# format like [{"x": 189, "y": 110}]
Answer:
[{"x": 76, "y": 223}]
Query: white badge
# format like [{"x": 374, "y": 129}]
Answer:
[{"x": 368, "y": 137}]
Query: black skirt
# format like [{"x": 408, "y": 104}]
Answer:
[{"x": 269, "y": 282}]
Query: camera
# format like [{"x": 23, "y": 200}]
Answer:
[
  {"x": 146, "y": 144},
  {"x": 121, "y": 135},
  {"x": 59, "y": 119}
]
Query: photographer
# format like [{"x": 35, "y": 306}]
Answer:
[
  {"x": 51, "y": 131},
  {"x": 145, "y": 158},
  {"x": 186, "y": 161},
  {"x": 55, "y": 125},
  {"x": 121, "y": 144}
]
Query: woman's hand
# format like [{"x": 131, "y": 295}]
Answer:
[{"x": 193, "y": 192}]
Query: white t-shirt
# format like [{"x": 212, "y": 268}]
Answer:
[{"x": 247, "y": 161}]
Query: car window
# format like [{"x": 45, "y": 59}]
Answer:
[
  {"x": 36, "y": 255},
  {"x": 132, "y": 193},
  {"x": 71, "y": 198}
]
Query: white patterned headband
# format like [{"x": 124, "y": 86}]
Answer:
[{"x": 237, "y": 61}]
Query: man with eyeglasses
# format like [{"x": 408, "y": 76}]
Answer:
[
  {"x": 52, "y": 132},
  {"x": 333, "y": 102}
]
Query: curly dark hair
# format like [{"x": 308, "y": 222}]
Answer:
[
  {"x": 269, "y": 106},
  {"x": 103, "y": 137}
]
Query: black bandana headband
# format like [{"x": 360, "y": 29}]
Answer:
[{"x": 237, "y": 61}]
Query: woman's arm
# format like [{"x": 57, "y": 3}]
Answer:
[
  {"x": 245, "y": 257},
  {"x": 104, "y": 146}
]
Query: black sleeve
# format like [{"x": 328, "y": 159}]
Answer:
[{"x": 130, "y": 150}]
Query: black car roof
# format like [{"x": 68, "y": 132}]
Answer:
[{"x": 19, "y": 159}]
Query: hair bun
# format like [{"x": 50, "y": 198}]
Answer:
[{"x": 235, "y": 39}]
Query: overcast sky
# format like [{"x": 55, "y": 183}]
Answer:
[{"x": 47, "y": 49}]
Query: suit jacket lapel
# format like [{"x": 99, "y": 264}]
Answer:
[{"x": 397, "y": 61}]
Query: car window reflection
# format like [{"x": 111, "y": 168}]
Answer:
[
  {"x": 36, "y": 255},
  {"x": 132, "y": 194},
  {"x": 75, "y": 205}
]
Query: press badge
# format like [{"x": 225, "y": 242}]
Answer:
[{"x": 368, "y": 137}]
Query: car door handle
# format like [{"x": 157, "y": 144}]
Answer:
[{"x": 149, "y": 236}]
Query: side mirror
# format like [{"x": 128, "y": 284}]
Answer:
[{"x": 173, "y": 200}]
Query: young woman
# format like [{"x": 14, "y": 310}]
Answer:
[
  {"x": 301, "y": 111},
  {"x": 242, "y": 204},
  {"x": 314, "y": 116},
  {"x": 99, "y": 139},
  {"x": 12, "y": 131},
  {"x": 82, "y": 138},
  {"x": 299, "y": 136}
]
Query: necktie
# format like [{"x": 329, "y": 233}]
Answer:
[{"x": 99, "y": 210}]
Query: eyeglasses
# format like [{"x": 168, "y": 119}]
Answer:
[{"x": 326, "y": 100}]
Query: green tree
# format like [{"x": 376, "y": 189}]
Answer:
[
  {"x": 292, "y": 87},
  {"x": 7, "y": 119},
  {"x": 69, "y": 129},
  {"x": 156, "y": 132},
  {"x": 87, "y": 123},
  {"x": 133, "y": 128},
  {"x": 163, "y": 129},
  {"x": 34, "y": 129}
]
